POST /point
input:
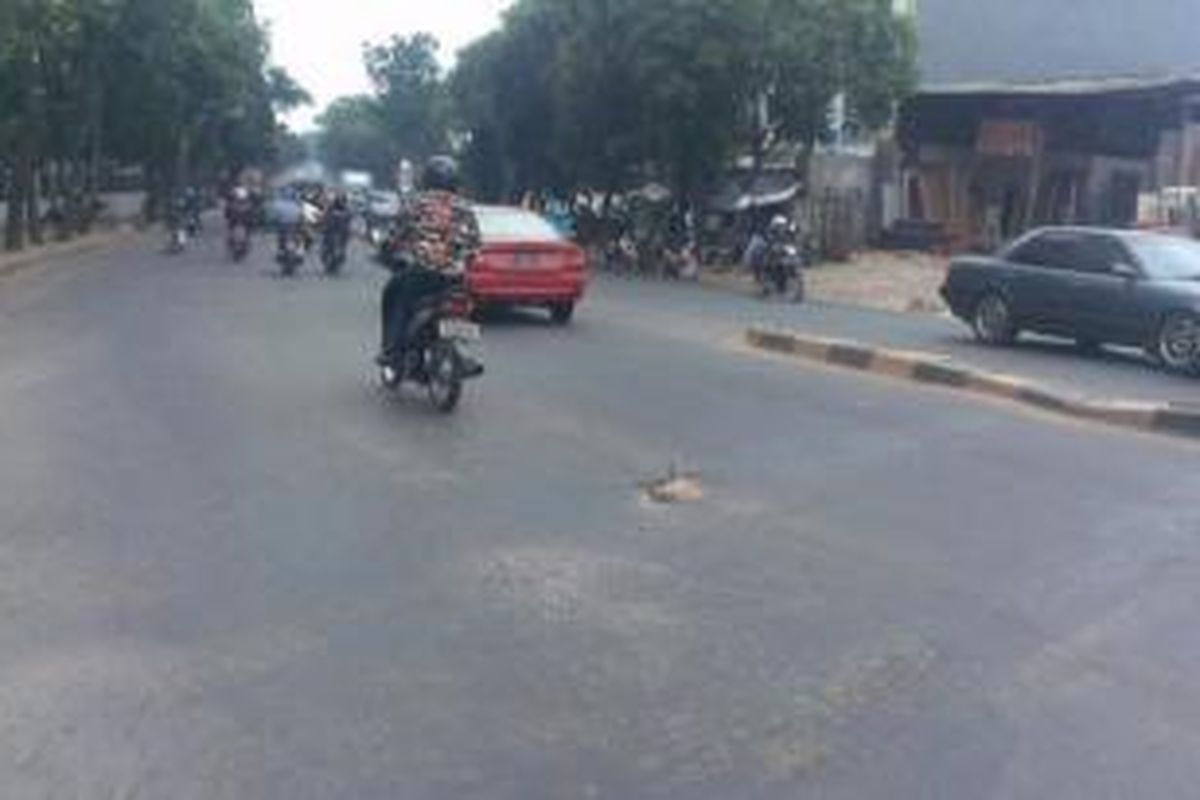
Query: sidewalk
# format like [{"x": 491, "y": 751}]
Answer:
[
  {"x": 15, "y": 262},
  {"x": 1113, "y": 374}
]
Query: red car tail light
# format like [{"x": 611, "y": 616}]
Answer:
[{"x": 577, "y": 261}]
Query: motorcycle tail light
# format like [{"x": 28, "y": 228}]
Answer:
[{"x": 458, "y": 305}]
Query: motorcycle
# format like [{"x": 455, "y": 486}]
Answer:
[
  {"x": 621, "y": 255},
  {"x": 438, "y": 358},
  {"x": 238, "y": 242},
  {"x": 376, "y": 233},
  {"x": 782, "y": 270},
  {"x": 290, "y": 254},
  {"x": 333, "y": 254},
  {"x": 177, "y": 239}
]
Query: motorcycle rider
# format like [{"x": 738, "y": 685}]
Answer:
[
  {"x": 436, "y": 235},
  {"x": 754, "y": 256},
  {"x": 239, "y": 208},
  {"x": 286, "y": 214},
  {"x": 336, "y": 221},
  {"x": 182, "y": 218},
  {"x": 192, "y": 207},
  {"x": 780, "y": 259},
  {"x": 239, "y": 217}
]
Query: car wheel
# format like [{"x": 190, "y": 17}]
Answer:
[
  {"x": 1178, "y": 343},
  {"x": 561, "y": 313},
  {"x": 992, "y": 321}
]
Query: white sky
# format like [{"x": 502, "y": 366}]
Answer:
[{"x": 320, "y": 41}]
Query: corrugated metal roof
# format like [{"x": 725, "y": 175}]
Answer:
[
  {"x": 768, "y": 189},
  {"x": 1033, "y": 40},
  {"x": 1069, "y": 87}
]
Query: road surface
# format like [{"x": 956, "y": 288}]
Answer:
[
  {"x": 1112, "y": 373},
  {"x": 231, "y": 568}
]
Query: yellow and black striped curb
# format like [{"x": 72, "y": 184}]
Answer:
[{"x": 934, "y": 370}]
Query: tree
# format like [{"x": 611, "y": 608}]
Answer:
[
  {"x": 408, "y": 83},
  {"x": 607, "y": 93},
  {"x": 690, "y": 79},
  {"x": 181, "y": 87},
  {"x": 812, "y": 51},
  {"x": 354, "y": 136},
  {"x": 284, "y": 93},
  {"x": 505, "y": 95},
  {"x": 598, "y": 94}
]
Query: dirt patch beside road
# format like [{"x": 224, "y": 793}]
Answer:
[{"x": 889, "y": 281}]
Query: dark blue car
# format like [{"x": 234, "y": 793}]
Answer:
[{"x": 1093, "y": 285}]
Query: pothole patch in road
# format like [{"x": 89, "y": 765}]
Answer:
[{"x": 674, "y": 488}]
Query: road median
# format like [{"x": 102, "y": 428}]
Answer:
[{"x": 932, "y": 369}]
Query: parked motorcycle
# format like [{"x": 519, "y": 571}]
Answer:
[{"x": 439, "y": 357}]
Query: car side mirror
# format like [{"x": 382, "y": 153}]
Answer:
[{"x": 1126, "y": 271}]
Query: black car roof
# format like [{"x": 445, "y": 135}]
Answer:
[{"x": 1120, "y": 233}]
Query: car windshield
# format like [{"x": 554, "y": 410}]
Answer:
[
  {"x": 1167, "y": 258},
  {"x": 498, "y": 224}
]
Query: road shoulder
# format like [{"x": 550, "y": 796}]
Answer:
[
  {"x": 1173, "y": 418},
  {"x": 12, "y": 263}
]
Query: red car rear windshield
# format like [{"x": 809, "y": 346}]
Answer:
[{"x": 514, "y": 225}]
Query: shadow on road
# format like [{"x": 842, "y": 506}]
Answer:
[
  {"x": 509, "y": 317},
  {"x": 1106, "y": 370}
]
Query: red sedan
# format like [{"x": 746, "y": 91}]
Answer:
[{"x": 525, "y": 261}]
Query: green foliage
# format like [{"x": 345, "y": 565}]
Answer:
[
  {"x": 406, "y": 117},
  {"x": 408, "y": 83},
  {"x": 354, "y": 136},
  {"x": 181, "y": 87},
  {"x": 605, "y": 93},
  {"x": 811, "y": 51},
  {"x": 505, "y": 95}
]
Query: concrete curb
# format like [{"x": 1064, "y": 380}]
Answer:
[
  {"x": 935, "y": 370},
  {"x": 12, "y": 263}
]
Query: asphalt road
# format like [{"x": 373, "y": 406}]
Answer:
[
  {"x": 231, "y": 568},
  {"x": 1113, "y": 373}
]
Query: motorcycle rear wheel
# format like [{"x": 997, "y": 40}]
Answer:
[{"x": 444, "y": 368}]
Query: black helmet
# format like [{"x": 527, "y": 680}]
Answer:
[{"x": 441, "y": 174}]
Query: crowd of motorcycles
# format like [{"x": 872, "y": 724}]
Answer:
[
  {"x": 300, "y": 222},
  {"x": 444, "y": 335},
  {"x": 776, "y": 254}
]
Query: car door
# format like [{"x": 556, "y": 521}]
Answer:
[
  {"x": 1103, "y": 304},
  {"x": 1040, "y": 279}
]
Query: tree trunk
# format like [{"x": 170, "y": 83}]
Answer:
[
  {"x": 14, "y": 231},
  {"x": 33, "y": 210},
  {"x": 33, "y": 127}
]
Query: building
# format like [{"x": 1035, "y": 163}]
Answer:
[{"x": 1034, "y": 112}]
